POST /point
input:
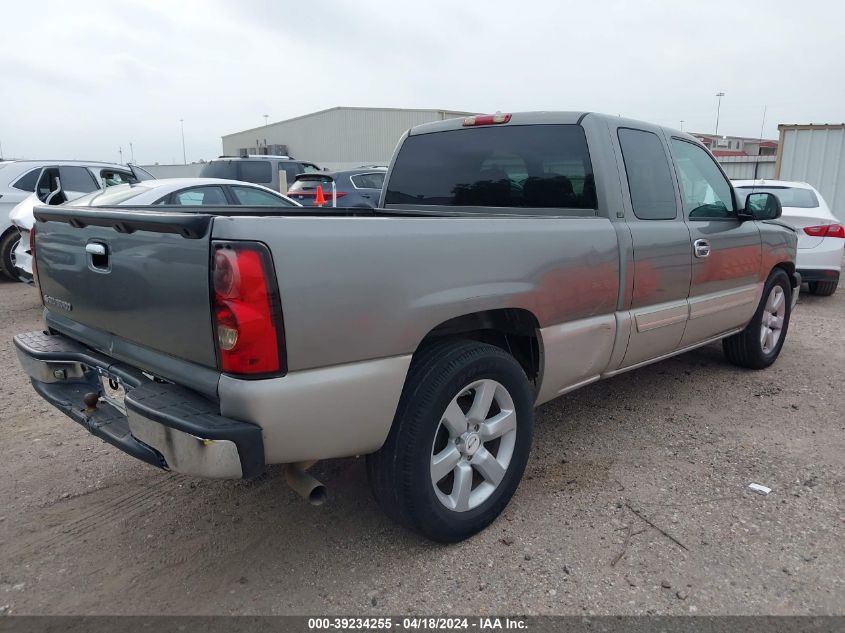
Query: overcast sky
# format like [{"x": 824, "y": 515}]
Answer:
[{"x": 79, "y": 79}]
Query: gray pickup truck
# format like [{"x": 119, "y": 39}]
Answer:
[{"x": 513, "y": 258}]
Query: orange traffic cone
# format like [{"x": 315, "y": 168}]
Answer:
[{"x": 320, "y": 199}]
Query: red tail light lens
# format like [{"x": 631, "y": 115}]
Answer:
[
  {"x": 826, "y": 230},
  {"x": 836, "y": 230},
  {"x": 247, "y": 310},
  {"x": 301, "y": 195}
]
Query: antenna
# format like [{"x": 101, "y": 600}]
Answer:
[{"x": 760, "y": 141}]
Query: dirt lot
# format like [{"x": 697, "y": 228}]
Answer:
[{"x": 87, "y": 530}]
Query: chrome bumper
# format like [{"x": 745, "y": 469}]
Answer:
[{"x": 162, "y": 424}]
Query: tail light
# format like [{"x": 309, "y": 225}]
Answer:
[
  {"x": 486, "y": 119},
  {"x": 826, "y": 230},
  {"x": 247, "y": 310},
  {"x": 302, "y": 195}
]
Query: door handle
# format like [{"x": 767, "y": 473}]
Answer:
[{"x": 702, "y": 248}]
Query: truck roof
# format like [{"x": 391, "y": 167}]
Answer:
[{"x": 545, "y": 117}]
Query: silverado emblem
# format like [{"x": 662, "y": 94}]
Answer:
[{"x": 57, "y": 303}]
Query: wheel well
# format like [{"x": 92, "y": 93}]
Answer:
[
  {"x": 514, "y": 330},
  {"x": 789, "y": 267}
]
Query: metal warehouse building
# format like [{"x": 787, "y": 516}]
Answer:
[
  {"x": 815, "y": 154},
  {"x": 337, "y": 138}
]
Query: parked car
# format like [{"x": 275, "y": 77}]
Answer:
[
  {"x": 821, "y": 236},
  {"x": 184, "y": 192},
  {"x": 512, "y": 259},
  {"x": 20, "y": 178},
  {"x": 262, "y": 170},
  {"x": 354, "y": 188}
]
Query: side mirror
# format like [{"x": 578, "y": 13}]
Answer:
[{"x": 761, "y": 205}]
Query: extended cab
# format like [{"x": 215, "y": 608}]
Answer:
[{"x": 513, "y": 258}]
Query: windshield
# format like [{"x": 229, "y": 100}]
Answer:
[
  {"x": 111, "y": 196},
  {"x": 789, "y": 196}
]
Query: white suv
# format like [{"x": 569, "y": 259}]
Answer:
[
  {"x": 821, "y": 235},
  {"x": 56, "y": 180}
]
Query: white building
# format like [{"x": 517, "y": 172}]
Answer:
[{"x": 337, "y": 138}]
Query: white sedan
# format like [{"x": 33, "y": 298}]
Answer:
[
  {"x": 183, "y": 192},
  {"x": 821, "y": 236}
]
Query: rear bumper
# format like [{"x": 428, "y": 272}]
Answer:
[
  {"x": 818, "y": 274},
  {"x": 163, "y": 424}
]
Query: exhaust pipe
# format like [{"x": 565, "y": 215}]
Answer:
[{"x": 304, "y": 484}]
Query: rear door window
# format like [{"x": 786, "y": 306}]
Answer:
[
  {"x": 200, "y": 196},
  {"x": 368, "y": 181},
  {"x": 252, "y": 197},
  {"x": 649, "y": 178},
  {"x": 77, "y": 179},
  {"x": 528, "y": 166},
  {"x": 256, "y": 171}
]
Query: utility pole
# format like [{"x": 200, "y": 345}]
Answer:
[
  {"x": 131, "y": 152},
  {"x": 184, "y": 155},
  {"x": 718, "y": 109}
]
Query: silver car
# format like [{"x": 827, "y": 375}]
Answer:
[
  {"x": 56, "y": 180},
  {"x": 184, "y": 192}
]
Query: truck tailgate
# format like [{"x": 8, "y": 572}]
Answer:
[{"x": 141, "y": 276}]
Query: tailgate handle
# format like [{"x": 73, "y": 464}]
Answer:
[{"x": 98, "y": 257}]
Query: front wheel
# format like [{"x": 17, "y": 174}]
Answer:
[
  {"x": 759, "y": 344},
  {"x": 459, "y": 442}
]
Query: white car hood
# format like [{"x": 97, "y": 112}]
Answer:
[{"x": 22, "y": 215}]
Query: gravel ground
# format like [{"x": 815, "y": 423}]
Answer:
[{"x": 87, "y": 530}]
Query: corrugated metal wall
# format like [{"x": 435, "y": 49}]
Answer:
[
  {"x": 815, "y": 154},
  {"x": 191, "y": 170},
  {"x": 340, "y": 137},
  {"x": 743, "y": 167}
]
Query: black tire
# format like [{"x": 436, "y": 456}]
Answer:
[
  {"x": 7, "y": 245},
  {"x": 823, "y": 288},
  {"x": 399, "y": 473},
  {"x": 745, "y": 349}
]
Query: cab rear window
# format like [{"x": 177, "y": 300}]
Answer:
[{"x": 529, "y": 167}]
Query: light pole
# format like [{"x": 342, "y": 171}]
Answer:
[
  {"x": 718, "y": 109},
  {"x": 682, "y": 125},
  {"x": 120, "y": 151},
  {"x": 182, "y": 127},
  {"x": 131, "y": 152},
  {"x": 266, "y": 116}
]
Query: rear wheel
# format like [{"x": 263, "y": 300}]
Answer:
[
  {"x": 823, "y": 288},
  {"x": 759, "y": 344},
  {"x": 8, "y": 244},
  {"x": 459, "y": 441}
]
